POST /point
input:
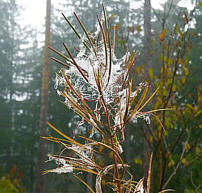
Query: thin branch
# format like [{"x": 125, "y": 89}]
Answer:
[{"x": 177, "y": 167}]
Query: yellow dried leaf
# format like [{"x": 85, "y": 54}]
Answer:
[
  {"x": 181, "y": 34},
  {"x": 151, "y": 74},
  {"x": 171, "y": 163},
  {"x": 118, "y": 25},
  {"x": 170, "y": 61},
  {"x": 185, "y": 61},
  {"x": 185, "y": 70},
  {"x": 176, "y": 29},
  {"x": 150, "y": 139},
  {"x": 174, "y": 108},
  {"x": 189, "y": 106},
  {"x": 184, "y": 161},
  {"x": 138, "y": 70},
  {"x": 167, "y": 123},
  {"x": 164, "y": 59},
  {"x": 199, "y": 97},
  {"x": 179, "y": 60},
  {"x": 187, "y": 146},
  {"x": 183, "y": 79},
  {"x": 111, "y": 154},
  {"x": 101, "y": 148},
  {"x": 138, "y": 161},
  {"x": 165, "y": 92},
  {"x": 104, "y": 182},
  {"x": 138, "y": 28},
  {"x": 159, "y": 135},
  {"x": 162, "y": 35},
  {"x": 165, "y": 132},
  {"x": 174, "y": 87}
]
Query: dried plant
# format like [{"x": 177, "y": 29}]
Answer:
[{"x": 97, "y": 86}]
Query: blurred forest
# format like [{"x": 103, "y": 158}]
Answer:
[{"x": 169, "y": 42}]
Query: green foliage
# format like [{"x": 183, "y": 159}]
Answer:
[
  {"x": 11, "y": 183},
  {"x": 174, "y": 142},
  {"x": 7, "y": 187}
]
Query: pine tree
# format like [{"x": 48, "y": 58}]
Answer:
[{"x": 44, "y": 101}]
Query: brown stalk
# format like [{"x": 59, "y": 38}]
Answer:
[
  {"x": 110, "y": 61},
  {"x": 114, "y": 38},
  {"x": 112, "y": 142},
  {"x": 76, "y": 105},
  {"x": 79, "y": 110},
  {"x": 60, "y": 62},
  {"x": 69, "y": 84},
  {"x": 84, "y": 43},
  {"x": 86, "y": 109},
  {"x": 129, "y": 68},
  {"x": 149, "y": 175},
  {"x": 85, "y": 31},
  {"x": 60, "y": 54},
  {"x": 74, "y": 62},
  {"x": 104, "y": 41},
  {"x": 127, "y": 103},
  {"x": 109, "y": 44},
  {"x": 105, "y": 17},
  {"x": 139, "y": 103}
]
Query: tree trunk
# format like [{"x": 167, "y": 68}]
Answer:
[
  {"x": 44, "y": 103},
  {"x": 147, "y": 148},
  {"x": 147, "y": 33}
]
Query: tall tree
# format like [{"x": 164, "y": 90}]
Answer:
[
  {"x": 147, "y": 64},
  {"x": 19, "y": 59},
  {"x": 147, "y": 33},
  {"x": 7, "y": 67},
  {"x": 44, "y": 101},
  {"x": 12, "y": 74}
]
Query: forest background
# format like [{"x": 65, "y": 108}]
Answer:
[{"x": 169, "y": 44}]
